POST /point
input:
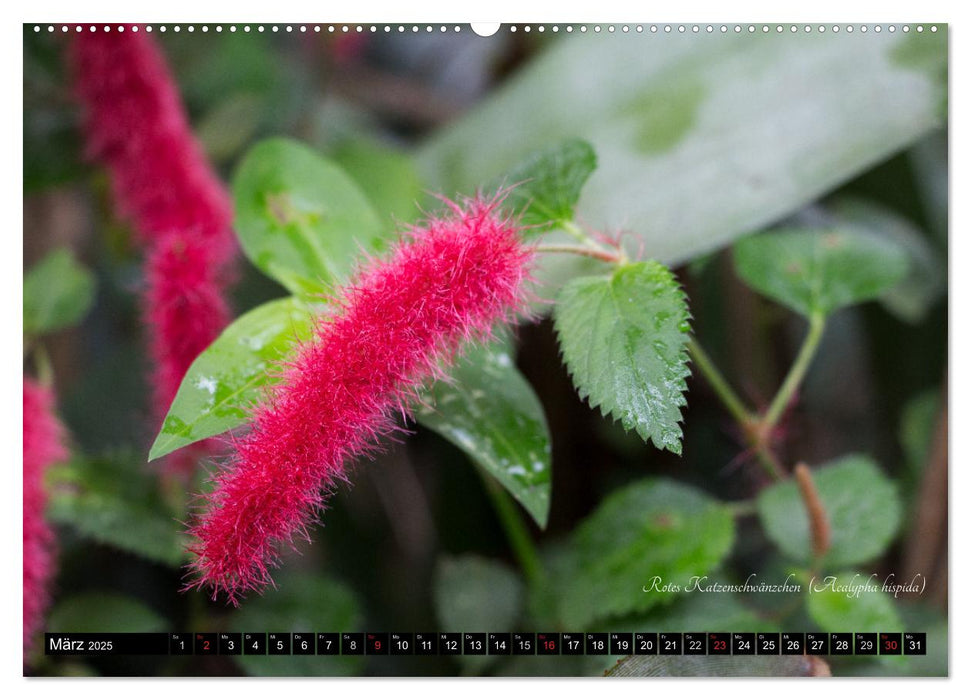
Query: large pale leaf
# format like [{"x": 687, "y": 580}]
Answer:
[
  {"x": 230, "y": 375},
  {"x": 862, "y": 507},
  {"x": 489, "y": 411},
  {"x": 820, "y": 270},
  {"x": 300, "y": 218},
  {"x": 703, "y": 138},
  {"x": 652, "y": 530},
  {"x": 623, "y": 339}
]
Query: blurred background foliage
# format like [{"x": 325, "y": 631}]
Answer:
[{"x": 700, "y": 140}]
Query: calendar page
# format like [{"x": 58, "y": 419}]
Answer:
[{"x": 507, "y": 350}]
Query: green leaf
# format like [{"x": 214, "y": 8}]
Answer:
[
  {"x": 474, "y": 594},
  {"x": 300, "y": 602},
  {"x": 816, "y": 271},
  {"x": 115, "y": 500},
  {"x": 104, "y": 612},
  {"x": 58, "y": 292},
  {"x": 546, "y": 186},
  {"x": 720, "y": 666},
  {"x": 852, "y": 602},
  {"x": 387, "y": 175},
  {"x": 917, "y": 423},
  {"x": 488, "y": 410},
  {"x": 926, "y": 280},
  {"x": 861, "y": 504},
  {"x": 230, "y": 375},
  {"x": 300, "y": 218},
  {"x": 700, "y": 139},
  {"x": 623, "y": 339},
  {"x": 653, "y": 529}
]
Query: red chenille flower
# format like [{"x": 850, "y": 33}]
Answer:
[
  {"x": 43, "y": 445},
  {"x": 136, "y": 126},
  {"x": 405, "y": 316}
]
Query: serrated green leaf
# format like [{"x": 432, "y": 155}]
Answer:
[
  {"x": 488, "y": 410},
  {"x": 546, "y": 185},
  {"x": 862, "y": 507},
  {"x": 652, "y": 530},
  {"x": 926, "y": 280},
  {"x": 475, "y": 594},
  {"x": 852, "y": 602},
  {"x": 300, "y": 218},
  {"x": 816, "y": 271},
  {"x": 58, "y": 292},
  {"x": 115, "y": 500},
  {"x": 387, "y": 175},
  {"x": 104, "y": 612},
  {"x": 623, "y": 339},
  {"x": 229, "y": 376},
  {"x": 300, "y": 602}
]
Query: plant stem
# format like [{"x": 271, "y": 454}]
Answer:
[
  {"x": 741, "y": 509},
  {"x": 516, "y": 531},
  {"x": 817, "y": 324},
  {"x": 586, "y": 251},
  {"x": 719, "y": 384}
]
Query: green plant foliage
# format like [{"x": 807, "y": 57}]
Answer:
[
  {"x": 300, "y": 218},
  {"x": 651, "y": 528},
  {"x": 816, "y": 271},
  {"x": 920, "y": 416},
  {"x": 546, "y": 186},
  {"x": 852, "y": 602},
  {"x": 301, "y": 602},
  {"x": 104, "y": 612},
  {"x": 926, "y": 280},
  {"x": 388, "y": 177},
  {"x": 58, "y": 292},
  {"x": 231, "y": 374},
  {"x": 720, "y": 666},
  {"x": 623, "y": 339},
  {"x": 701, "y": 139},
  {"x": 115, "y": 500},
  {"x": 489, "y": 411},
  {"x": 475, "y": 594},
  {"x": 862, "y": 507}
]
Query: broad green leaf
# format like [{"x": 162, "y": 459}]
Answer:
[
  {"x": 474, "y": 594},
  {"x": 57, "y": 293},
  {"x": 546, "y": 185},
  {"x": 926, "y": 280},
  {"x": 852, "y": 602},
  {"x": 104, "y": 612},
  {"x": 862, "y": 507},
  {"x": 652, "y": 531},
  {"x": 115, "y": 500},
  {"x": 816, "y": 271},
  {"x": 300, "y": 602},
  {"x": 695, "y": 611},
  {"x": 488, "y": 410},
  {"x": 623, "y": 339},
  {"x": 230, "y": 375},
  {"x": 917, "y": 422},
  {"x": 702, "y": 138},
  {"x": 300, "y": 218},
  {"x": 387, "y": 176}
]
